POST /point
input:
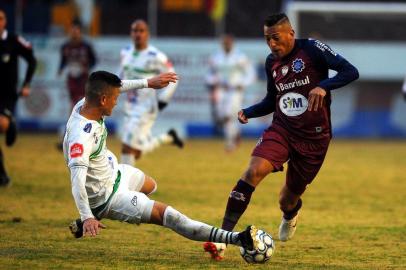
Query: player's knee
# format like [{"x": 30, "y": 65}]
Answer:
[
  {"x": 254, "y": 175},
  {"x": 150, "y": 185}
]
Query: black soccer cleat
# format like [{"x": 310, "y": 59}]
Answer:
[
  {"x": 11, "y": 133},
  {"x": 176, "y": 140},
  {"x": 248, "y": 238},
  {"x": 4, "y": 180},
  {"x": 76, "y": 228}
]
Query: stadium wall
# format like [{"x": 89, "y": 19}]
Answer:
[{"x": 371, "y": 107}]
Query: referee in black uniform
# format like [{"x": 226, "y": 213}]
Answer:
[{"x": 11, "y": 47}]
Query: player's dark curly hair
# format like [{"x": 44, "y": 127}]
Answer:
[
  {"x": 99, "y": 83},
  {"x": 276, "y": 19}
]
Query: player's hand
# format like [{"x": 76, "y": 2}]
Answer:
[
  {"x": 91, "y": 227},
  {"x": 162, "y": 80},
  {"x": 25, "y": 91},
  {"x": 316, "y": 98},
  {"x": 242, "y": 118}
]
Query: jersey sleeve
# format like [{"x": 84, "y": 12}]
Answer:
[
  {"x": 78, "y": 179},
  {"x": 346, "y": 72},
  {"x": 78, "y": 153},
  {"x": 165, "y": 94},
  {"x": 249, "y": 71},
  {"x": 268, "y": 104},
  {"x": 24, "y": 49},
  {"x": 211, "y": 77}
]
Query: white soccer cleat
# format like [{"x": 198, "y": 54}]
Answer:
[
  {"x": 287, "y": 228},
  {"x": 216, "y": 250}
]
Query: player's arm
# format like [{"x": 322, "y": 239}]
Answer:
[
  {"x": 267, "y": 105},
  {"x": 346, "y": 72},
  {"x": 249, "y": 71},
  {"x": 24, "y": 49},
  {"x": 165, "y": 95},
  {"x": 92, "y": 57},
  {"x": 156, "y": 82}
]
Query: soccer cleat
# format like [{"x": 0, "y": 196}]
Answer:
[
  {"x": 11, "y": 133},
  {"x": 175, "y": 138},
  {"x": 76, "y": 228},
  {"x": 287, "y": 228},
  {"x": 248, "y": 238},
  {"x": 216, "y": 250},
  {"x": 4, "y": 180}
]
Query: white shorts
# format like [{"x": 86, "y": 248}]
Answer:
[
  {"x": 136, "y": 131},
  {"x": 128, "y": 204},
  {"x": 229, "y": 103}
]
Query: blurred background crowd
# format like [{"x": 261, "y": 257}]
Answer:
[{"x": 370, "y": 34}]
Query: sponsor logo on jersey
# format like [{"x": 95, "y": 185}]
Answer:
[
  {"x": 76, "y": 150},
  {"x": 87, "y": 128},
  {"x": 285, "y": 70},
  {"x": 274, "y": 74},
  {"x": 323, "y": 47},
  {"x": 298, "y": 65},
  {"x": 293, "y": 104},
  {"x": 290, "y": 85}
]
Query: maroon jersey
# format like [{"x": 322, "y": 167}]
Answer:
[
  {"x": 290, "y": 80},
  {"x": 78, "y": 58}
]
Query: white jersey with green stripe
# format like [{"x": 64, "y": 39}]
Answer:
[
  {"x": 84, "y": 146},
  {"x": 145, "y": 64}
]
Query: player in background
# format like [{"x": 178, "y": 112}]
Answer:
[
  {"x": 11, "y": 47},
  {"x": 299, "y": 95},
  {"x": 142, "y": 61},
  {"x": 230, "y": 72},
  {"x": 77, "y": 59},
  {"x": 102, "y": 188}
]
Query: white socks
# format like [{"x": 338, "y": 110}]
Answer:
[{"x": 196, "y": 230}]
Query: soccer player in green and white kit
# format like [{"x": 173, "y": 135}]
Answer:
[{"x": 102, "y": 188}]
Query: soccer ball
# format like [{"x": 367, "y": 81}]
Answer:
[{"x": 263, "y": 253}]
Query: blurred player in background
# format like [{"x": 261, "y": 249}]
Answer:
[
  {"x": 11, "y": 47},
  {"x": 102, "y": 188},
  {"x": 230, "y": 72},
  {"x": 77, "y": 58},
  {"x": 404, "y": 89},
  {"x": 299, "y": 95},
  {"x": 141, "y": 61}
]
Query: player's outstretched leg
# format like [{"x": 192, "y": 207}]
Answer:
[
  {"x": 176, "y": 140},
  {"x": 199, "y": 231}
]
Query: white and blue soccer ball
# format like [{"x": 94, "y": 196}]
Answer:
[{"x": 265, "y": 250}]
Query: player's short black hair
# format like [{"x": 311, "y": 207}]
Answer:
[
  {"x": 274, "y": 19},
  {"x": 99, "y": 83}
]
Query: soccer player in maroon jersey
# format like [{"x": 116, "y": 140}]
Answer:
[
  {"x": 299, "y": 95},
  {"x": 78, "y": 57}
]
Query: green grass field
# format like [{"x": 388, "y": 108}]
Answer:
[{"x": 354, "y": 214}]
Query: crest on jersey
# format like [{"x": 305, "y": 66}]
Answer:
[
  {"x": 285, "y": 70},
  {"x": 76, "y": 150},
  {"x": 274, "y": 74},
  {"x": 298, "y": 65},
  {"x": 87, "y": 128}
]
